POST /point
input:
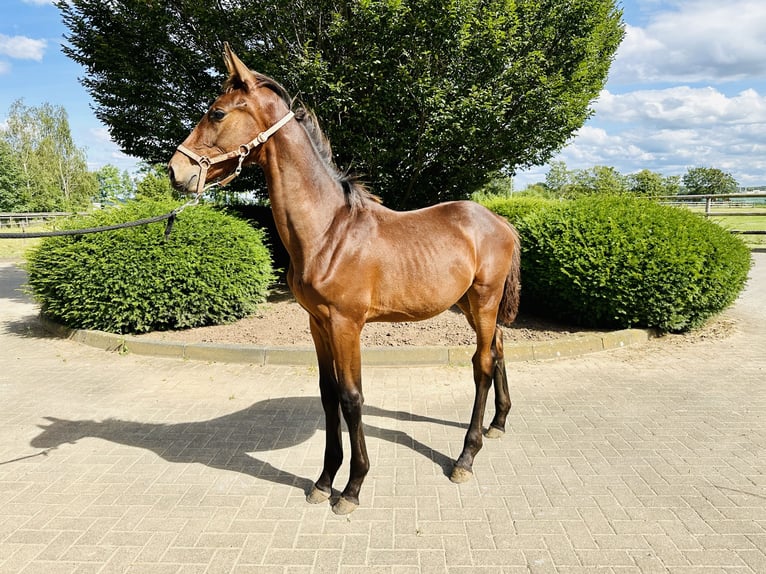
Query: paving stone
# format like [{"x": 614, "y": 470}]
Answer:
[{"x": 646, "y": 458}]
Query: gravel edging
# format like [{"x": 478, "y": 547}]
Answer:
[{"x": 566, "y": 346}]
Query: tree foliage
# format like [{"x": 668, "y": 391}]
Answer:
[
  {"x": 648, "y": 183},
  {"x": 52, "y": 170},
  {"x": 604, "y": 180},
  {"x": 429, "y": 99},
  {"x": 10, "y": 180},
  {"x": 113, "y": 186},
  {"x": 154, "y": 183},
  {"x": 709, "y": 181}
]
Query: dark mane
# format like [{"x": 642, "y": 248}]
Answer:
[
  {"x": 355, "y": 191},
  {"x": 357, "y": 194}
]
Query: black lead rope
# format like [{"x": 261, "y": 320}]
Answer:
[
  {"x": 170, "y": 217},
  {"x": 36, "y": 234},
  {"x": 169, "y": 225}
]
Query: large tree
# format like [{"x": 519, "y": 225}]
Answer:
[
  {"x": 429, "y": 99},
  {"x": 709, "y": 181},
  {"x": 10, "y": 180},
  {"x": 113, "y": 186},
  {"x": 52, "y": 171}
]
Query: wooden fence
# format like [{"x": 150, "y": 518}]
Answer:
[
  {"x": 22, "y": 220},
  {"x": 730, "y": 205}
]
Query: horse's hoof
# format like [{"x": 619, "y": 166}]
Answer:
[
  {"x": 494, "y": 432},
  {"x": 317, "y": 496},
  {"x": 344, "y": 506},
  {"x": 460, "y": 475}
]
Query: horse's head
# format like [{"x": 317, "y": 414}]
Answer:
[
  {"x": 229, "y": 135},
  {"x": 61, "y": 431}
]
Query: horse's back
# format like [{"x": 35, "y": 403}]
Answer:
[{"x": 478, "y": 226}]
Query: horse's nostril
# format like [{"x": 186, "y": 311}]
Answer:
[{"x": 172, "y": 175}]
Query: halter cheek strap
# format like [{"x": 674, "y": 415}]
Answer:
[{"x": 242, "y": 152}]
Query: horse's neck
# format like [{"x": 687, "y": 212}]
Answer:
[{"x": 304, "y": 195}]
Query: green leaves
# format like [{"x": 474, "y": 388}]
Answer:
[
  {"x": 709, "y": 181},
  {"x": 10, "y": 180},
  {"x": 617, "y": 261},
  {"x": 213, "y": 269},
  {"x": 47, "y": 171},
  {"x": 428, "y": 99}
]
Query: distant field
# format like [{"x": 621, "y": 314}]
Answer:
[
  {"x": 745, "y": 223},
  {"x": 733, "y": 221}
]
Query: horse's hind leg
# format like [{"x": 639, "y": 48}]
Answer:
[
  {"x": 483, "y": 320},
  {"x": 502, "y": 396},
  {"x": 499, "y": 377}
]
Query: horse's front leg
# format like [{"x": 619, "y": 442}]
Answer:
[
  {"x": 328, "y": 386},
  {"x": 345, "y": 341}
]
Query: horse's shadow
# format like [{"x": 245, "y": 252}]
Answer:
[{"x": 226, "y": 442}]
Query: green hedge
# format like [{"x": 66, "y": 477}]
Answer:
[
  {"x": 515, "y": 208},
  {"x": 622, "y": 262},
  {"x": 214, "y": 268}
]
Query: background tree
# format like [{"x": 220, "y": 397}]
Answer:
[
  {"x": 154, "y": 183},
  {"x": 53, "y": 171},
  {"x": 647, "y": 183},
  {"x": 598, "y": 180},
  {"x": 113, "y": 185},
  {"x": 428, "y": 99},
  {"x": 709, "y": 181},
  {"x": 10, "y": 180},
  {"x": 558, "y": 178}
]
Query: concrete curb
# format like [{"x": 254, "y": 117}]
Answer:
[{"x": 568, "y": 346}]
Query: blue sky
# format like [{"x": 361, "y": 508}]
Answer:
[{"x": 687, "y": 89}]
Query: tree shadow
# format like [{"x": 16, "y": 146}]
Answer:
[
  {"x": 29, "y": 327},
  {"x": 226, "y": 442},
  {"x": 12, "y": 281}
]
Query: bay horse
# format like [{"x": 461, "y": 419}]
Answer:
[{"x": 353, "y": 261}]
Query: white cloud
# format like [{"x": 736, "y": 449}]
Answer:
[
  {"x": 694, "y": 47},
  {"x": 682, "y": 106},
  {"x": 102, "y": 151},
  {"x": 702, "y": 40},
  {"x": 5, "y": 67},
  {"x": 670, "y": 131},
  {"x": 101, "y": 134},
  {"x": 22, "y": 48}
]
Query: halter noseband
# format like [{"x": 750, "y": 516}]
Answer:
[{"x": 242, "y": 152}]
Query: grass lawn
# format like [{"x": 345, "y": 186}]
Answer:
[
  {"x": 15, "y": 248},
  {"x": 745, "y": 223},
  {"x": 735, "y": 222}
]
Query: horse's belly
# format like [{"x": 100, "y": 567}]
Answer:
[{"x": 416, "y": 303}]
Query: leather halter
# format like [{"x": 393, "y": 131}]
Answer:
[{"x": 242, "y": 152}]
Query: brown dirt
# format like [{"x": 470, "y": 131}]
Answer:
[{"x": 282, "y": 322}]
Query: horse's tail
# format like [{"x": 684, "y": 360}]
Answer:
[{"x": 509, "y": 304}]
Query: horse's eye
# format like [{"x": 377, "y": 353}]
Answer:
[{"x": 217, "y": 115}]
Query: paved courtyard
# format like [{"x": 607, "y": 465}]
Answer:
[{"x": 646, "y": 459}]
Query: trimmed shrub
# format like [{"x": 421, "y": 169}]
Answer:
[
  {"x": 622, "y": 262},
  {"x": 214, "y": 268},
  {"x": 515, "y": 208}
]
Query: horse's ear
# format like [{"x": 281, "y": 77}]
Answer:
[{"x": 239, "y": 73}]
